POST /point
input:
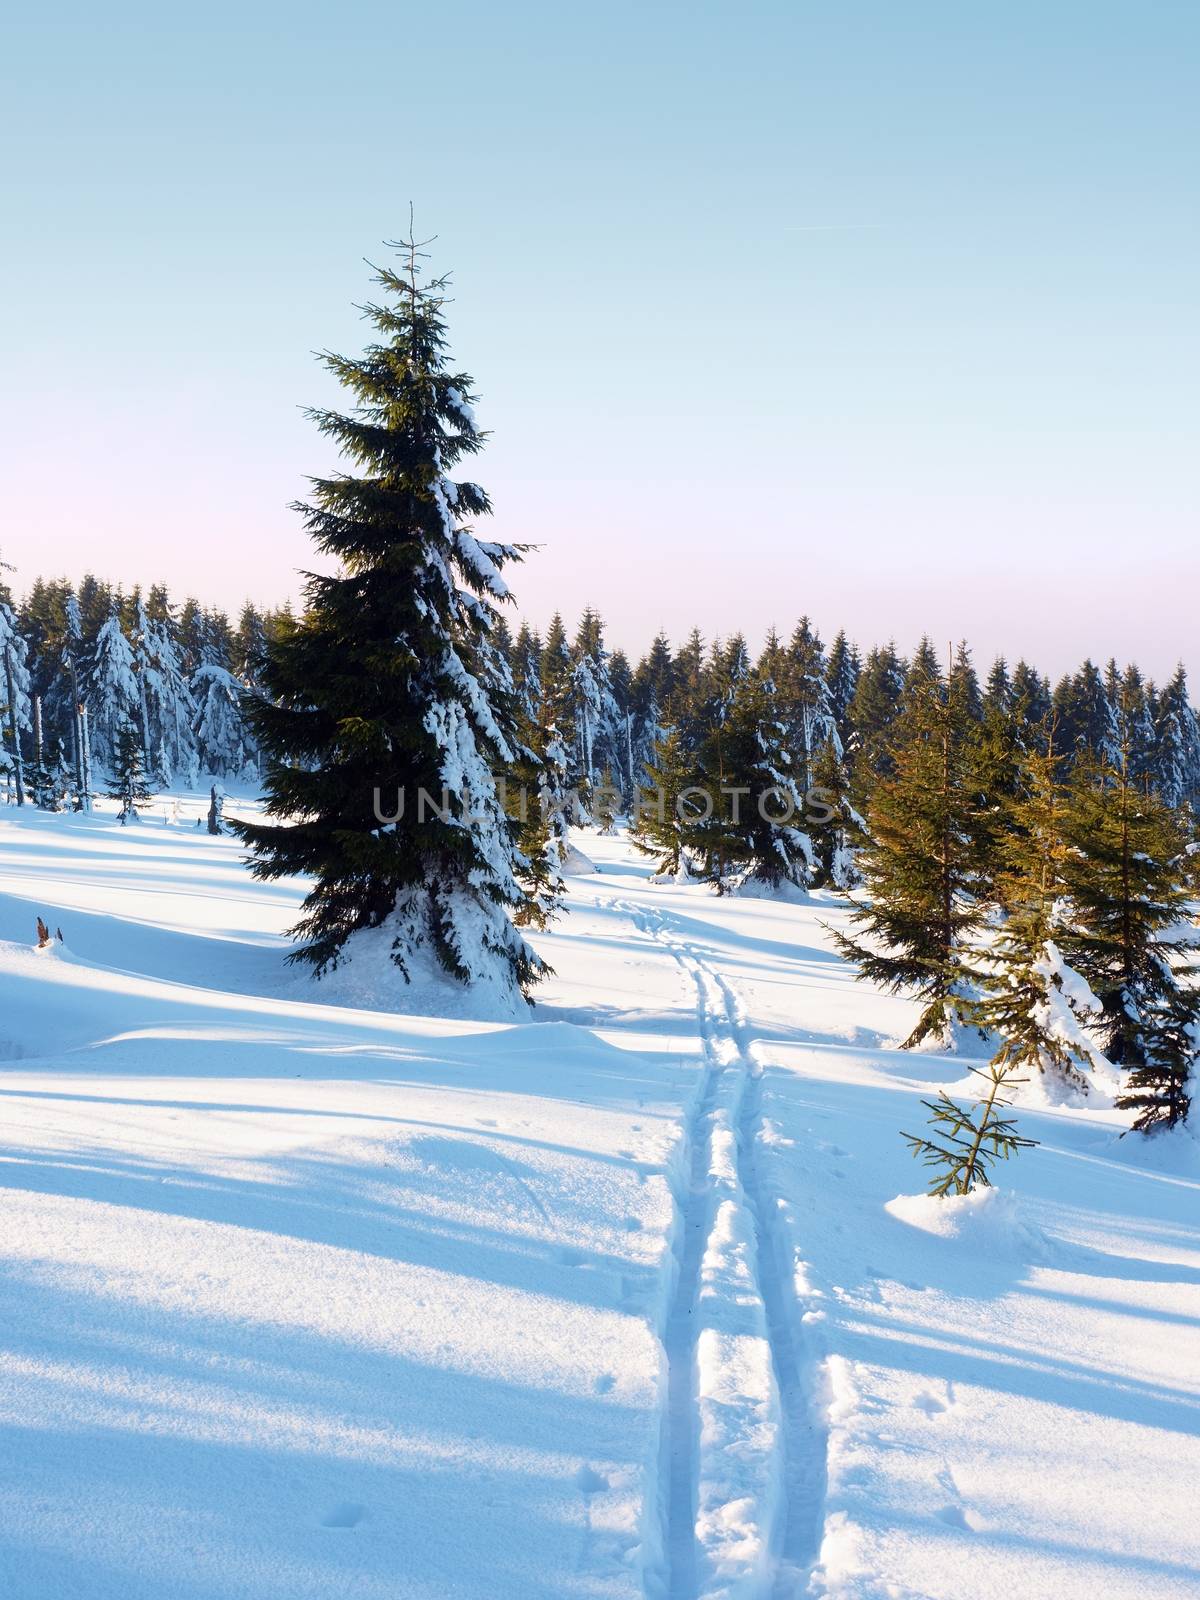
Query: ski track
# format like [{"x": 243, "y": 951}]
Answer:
[{"x": 734, "y": 1243}]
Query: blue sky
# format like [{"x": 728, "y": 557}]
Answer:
[{"x": 882, "y": 312}]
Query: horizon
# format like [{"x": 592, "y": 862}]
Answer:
[{"x": 516, "y": 618}]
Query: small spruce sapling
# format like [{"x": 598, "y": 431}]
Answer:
[{"x": 971, "y": 1140}]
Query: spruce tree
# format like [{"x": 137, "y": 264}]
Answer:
[
  {"x": 533, "y": 793},
  {"x": 1159, "y": 1088},
  {"x": 389, "y": 684},
  {"x": 1128, "y": 880},
  {"x": 924, "y": 666},
  {"x": 998, "y": 692},
  {"x": 1130, "y": 700},
  {"x": 919, "y": 863},
  {"x": 966, "y": 682},
  {"x": 653, "y": 697},
  {"x": 620, "y": 680},
  {"x": 539, "y": 864},
  {"x": 1175, "y": 759},
  {"x": 693, "y": 689},
  {"x": 666, "y": 819},
  {"x": 595, "y": 716},
  {"x": 754, "y": 832},
  {"x": 1030, "y": 997},
  {"x": 873, "y": 712},
  {"x": 220, "y": 735},
  {"x": 14, "y": 700},
  {"x": 41, "y": 774},
  {"x": 843, "y": 674},
  {"x": 834, "y": 826},
  {"x": 1086, "y": 716},
  {"x": 710, "y": 716},
  {"x": 558, "y": 696},
  {"x": 111, "y": 688},
  {"x": 806, "y": 705},
  {"x": 997, "y": 759},
  {"x": 967, "y": 1143},
  {"x": 127, "y": 782}
]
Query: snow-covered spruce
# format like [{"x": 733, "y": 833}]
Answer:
[
  {"x": 388, "y": 699},
  {"x": 111, "y": 689},
  {"x": 1032, "y": 999},
  {"x": 14, "y": 701}
]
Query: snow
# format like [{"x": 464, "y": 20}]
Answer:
[{"x": 636, "y": 1296}]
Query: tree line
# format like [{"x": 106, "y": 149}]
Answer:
[
  {"x": 721, "y": 727},
  {"x": 95, "y": 681}
]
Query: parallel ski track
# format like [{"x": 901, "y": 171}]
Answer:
[{"x": 729, "y": 1045}]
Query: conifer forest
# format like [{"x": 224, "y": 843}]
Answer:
[{"x": 600, "y": 855}]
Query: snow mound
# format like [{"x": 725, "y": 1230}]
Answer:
[
  {"x": 784, "y": 891},
  {"x": 575, "y": 864},
  {"x": 368, "y": 979},
  {"x": 547, "y": 1044},
  {"x": 986, "y": 1220},
  {"x": 53, "y": 1001}
]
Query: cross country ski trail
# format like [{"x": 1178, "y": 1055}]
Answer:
[{"x": 744, "y": 1457}]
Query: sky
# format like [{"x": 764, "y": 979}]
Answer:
[{"x": 882, "y": 313}]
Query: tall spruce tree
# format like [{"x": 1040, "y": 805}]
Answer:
[
  {"x": 835, "y": 827},
  {"x": 966, "y": 681},
  {"x": 389, "y": 683},
  {"x": 872, "y": 713},
  {"x": 1128, "y": 879},
  {"x": 1031, "y": 692},
  {"x": 843, "y": 674},
  {"x": 920, "y": 864},
  {"x": 806, "y": 705},
  {"x": 652, "y": 693},
  {"x": 1175, "y": 759},
  {"x": 1030, "y": 997},
  {"x": 15, "y": 706},
  {"x": 998, "y": 692},
  {"x": 1086, "y": 716},
  {"x": 111, "y": 688}
]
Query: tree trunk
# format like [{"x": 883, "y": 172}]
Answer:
[
  {"x": 13, "y": 729},
  {"x": 39, "y": 753},
  {"x": 85, "y": 762}
]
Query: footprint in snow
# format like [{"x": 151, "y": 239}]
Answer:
[
  {"x": 928, "y": 1403},
  {"x": 589, "y": 1481},
  {"x": 963, "y": 1517},
  {"x": 952, "y": 1516}
]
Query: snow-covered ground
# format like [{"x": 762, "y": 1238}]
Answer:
[{"x": 636, "y": 1299}]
